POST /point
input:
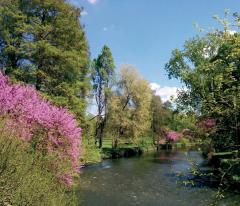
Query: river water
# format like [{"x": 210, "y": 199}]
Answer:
[{"x": 149, "y": 180}]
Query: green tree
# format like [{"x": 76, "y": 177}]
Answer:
[
  {"x": 130, "y": 107},
  {"x": 209, "y": 67},
  {"x": 158, "y": 119},
  {"x": 102, "y": 80},
  {"x": 43, "y": 43}
]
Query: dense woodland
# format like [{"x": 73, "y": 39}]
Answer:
[{"x": 48, "y": 79}]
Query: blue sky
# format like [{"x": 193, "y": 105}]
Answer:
[{"x": 144, "y": 32}]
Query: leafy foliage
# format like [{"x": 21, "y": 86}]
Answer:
[
  {"x": 43, "y": 43},
  {"x": 49, "y": 129},
  {"x": 209, "y": 67},
  {"x": 130, "y": 106},
  {"x": 102, "y": 79},
  {"x": 26, "y": 176}
]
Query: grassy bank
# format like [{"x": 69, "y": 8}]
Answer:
[
  {"x": 26, "y": 178},
  {"x": 92, "y": 154}
]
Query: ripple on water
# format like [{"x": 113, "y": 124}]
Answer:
[{"x": 150, "y": 180}]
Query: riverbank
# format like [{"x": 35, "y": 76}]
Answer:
[
  {"x": 94, "y": 155},
  {"x": 135, "y": 150}
]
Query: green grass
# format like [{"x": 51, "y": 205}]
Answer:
[
  {"x": 91, "y": 154},
  {"x": 145, "y": 143},
  {"x": 107, "y": 143}
]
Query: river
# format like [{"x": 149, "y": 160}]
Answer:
[{"x": 149, "y": 180}]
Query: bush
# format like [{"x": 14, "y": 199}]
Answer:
[
  {"x": 49, "y": 129},
  {"x": 183, "y": 141},
  {"x": 25, "y": 175},
  {"x": 173, "y": 136},
  {"x": 91, "y": 153}
]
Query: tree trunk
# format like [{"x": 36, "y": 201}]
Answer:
[{"x": 99, "y": 131}]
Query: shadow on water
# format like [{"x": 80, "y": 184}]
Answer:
[{"x": 152, "y": 179}]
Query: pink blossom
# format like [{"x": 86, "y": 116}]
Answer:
[
  {"x": 28, "y": 114},
  {"x": 173, "y": 136},
  {"x": 67, "y": 179},
  {"x": 209, "y": 123}
]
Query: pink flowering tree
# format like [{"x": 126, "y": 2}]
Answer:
[
  {"x": 208, "y": 124},
  {"x": 173, "y": 136},
  {"x": 48, "y": 128}
]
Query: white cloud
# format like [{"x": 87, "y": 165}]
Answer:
[
  {"x": 232, "y": 32},
  {"x": 92, "y": 1},
  {"x": 108, "y": 27},
  {"x": 105, "y": 29},
  {"x": 164, "y": 92},
  {"x": 84, "y": 13}
]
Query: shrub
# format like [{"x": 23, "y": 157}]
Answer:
[
  {"x": 173, "y": 136},
  {"x": 49, "y": 129},
  {"x": 91, "y": 153},
  {"x": 25, "y": 178}
]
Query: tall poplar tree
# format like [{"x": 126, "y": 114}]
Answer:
[{"x": 102, "y": 80}]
